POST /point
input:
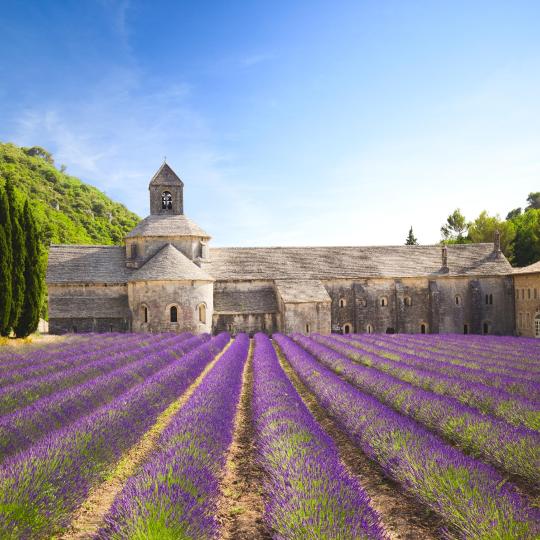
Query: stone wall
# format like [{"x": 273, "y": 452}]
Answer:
[
  {"x": 413, "y": 305},
  {"x": 527, "y": 299},
  {"x": 159, "y": 296},
  {"x": 250, "y": 323},
  {"x": 305, "y": 318}
]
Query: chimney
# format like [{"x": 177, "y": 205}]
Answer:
[
  {"x": 497, "y": 243},
  {"x": 444, "y": 259}
]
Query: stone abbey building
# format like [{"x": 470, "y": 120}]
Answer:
[{"x": 167, "y": 277}]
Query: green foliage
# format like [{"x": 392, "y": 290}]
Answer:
[
  {"x": 411, "y": 239},
  {"x": 513, "y": 213},
  {"x": 483, "y": 228},
  {"x": 6, "y": 262},
  {"x": 33, "y": 277},
  {"x": 534, "y": 201},
  {"x": 67, "y": 211},
  {"x": 18, "y": 250},
  {"x": 454, "y": 231},
  {"x": 526, "y": 245}
]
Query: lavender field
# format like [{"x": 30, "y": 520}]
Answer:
[{"x": 175, "y": 436}]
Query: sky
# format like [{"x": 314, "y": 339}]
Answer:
[{"x": 290, "y": 123}]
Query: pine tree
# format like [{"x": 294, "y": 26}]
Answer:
[
  {"x": 18, "y": 254},
  {"x": 411, "y": 239},
  {"x": 6, "y": 262},
  {"x": 33, "y": 277}
]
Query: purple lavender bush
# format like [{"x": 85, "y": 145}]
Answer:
[
  {"x": 175, "y": 495},
  {"x": 42, "y": 486},
  {"x": 472, "y": 497},
  {"x": 310, "y": 493}
]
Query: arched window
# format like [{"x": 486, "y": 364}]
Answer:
[
  {"x": 465, "y": 329},
  {"x": 174, "y": 314},
  {"x": 202, "y": 313},
  {"x": 369, "y": 329},
  {"x": 347, "y": 328},
  {"x": 407, "y": 301},
  {"x": 457, "y": 300},
  {"x": 342, "y": 302},
  {"x": 383, "y": 301},
  {"x": 537, "y": 325},
  {"x": 485, "y": 328},
  {"x": 423, "y": 328},
  {"x": 166, "y": 200}
]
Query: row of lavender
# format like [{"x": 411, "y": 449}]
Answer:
[
  {"x": 515, "y": 450},
  {"x": 474, "y": 498},
  {"x": 508, "y": 357},
  {"x": 511, "y": 407},
  {"x": 42, "y": 485},
  {"x": 308, "y": 491}
]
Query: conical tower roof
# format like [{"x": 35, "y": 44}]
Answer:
[{"x": 169, "y": 264}]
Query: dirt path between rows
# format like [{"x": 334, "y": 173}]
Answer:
[
  {"x": 402, "y": 516},
  {"x": 241, "y": 508},
  {"x": 89, "y": 517}
]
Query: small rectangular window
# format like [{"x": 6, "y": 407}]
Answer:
[
  {"x": 528, "y": 294},
  {"x": 465, "y": 328}
]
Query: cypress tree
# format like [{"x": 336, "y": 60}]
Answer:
[
  {"x": 18, "y": 254},
  {"x": 6, "y": 261},
  {"x": 33, "y": 277}
]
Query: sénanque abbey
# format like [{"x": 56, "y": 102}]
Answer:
[{"x": 169, "y": 278}]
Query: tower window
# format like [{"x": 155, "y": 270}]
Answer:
[
  {"x": 342, "y": 302},
  {"x": 202, "y": 313},
  {"x": 166, "y": 200},
  {"x": 174, "y": 314}
]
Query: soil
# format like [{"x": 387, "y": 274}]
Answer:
[
  {"x": 89, "y": 518},
  {"x": 241, "y": 508},
  {"x": 402, "y": 516}
]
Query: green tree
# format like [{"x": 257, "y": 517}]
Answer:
[
  {"x": 534, "y": 201},
  {"x": 483, "y": 228},
  {"x": 513, "y": 213},
  {"x": 18, "y": 254},
  {"x": 454, "y": 231},
  {"x": 411, "y": 239},
  {"x": 6, "y": 262},
  {"x": 526, "y": 244},
  {"x": 33, "y": 277}
]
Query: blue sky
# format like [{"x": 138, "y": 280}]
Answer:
[{"x": 291, "y": 123}]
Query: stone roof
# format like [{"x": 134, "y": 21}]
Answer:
[
  {"x": 531, "y": 269},
  {"x": 355, "y": 262},
  {"x": 169, "y": 264},
  {"x": 93, "y": 307},
  {"x": 87, "y": 264},
  {"x": 165, "y": 176},
  {"x": 256, "y": 300},
  {"x": 166, "y": 225},
  {"x": 302, "y": 291}
]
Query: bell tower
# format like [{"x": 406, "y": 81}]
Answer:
[{"x": 166, "y": 193}]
